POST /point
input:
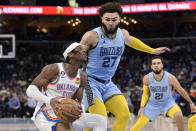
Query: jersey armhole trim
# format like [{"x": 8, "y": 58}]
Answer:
[{"x": 55, "y": 81}]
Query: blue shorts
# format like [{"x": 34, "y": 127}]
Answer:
[
  {"x": 153, "y": 109},
  {"x": 102, "y": 90}
]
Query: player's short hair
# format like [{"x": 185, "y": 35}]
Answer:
[
  {"x": 110, "y": 7},
  {"x": 65, "y": 46},
  {"x": 156, "y": 57}
]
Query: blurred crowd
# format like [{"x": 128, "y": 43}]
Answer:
[
  {"x": 65, "y": 32},
  {"x": 18, "y": 73}
]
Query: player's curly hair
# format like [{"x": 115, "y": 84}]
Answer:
[{"x": 110, "y": 7}]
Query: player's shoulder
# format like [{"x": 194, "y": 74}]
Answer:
[
  {"x": 172, "y": 79},
  {"x": 146, "y": 79},
  {"x": 171, "y": 76},
  {"x": 146, "y": 76},
  {"x": 91, "y": 34},
  {"x": 124, "y": 31},
  {"x": 126, "y": 36},
  {"x": 50, "y": 69},
  {"x": 90, "y": 39}
]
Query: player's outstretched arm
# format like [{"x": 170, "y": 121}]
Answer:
[
  {"x": 79, "y": 93},
  {"x": 145, "y": 95},
  {"x": 47, "y": 75},
  {"x": 135, "y": 43},
  {"x": 175, "y": 83}
]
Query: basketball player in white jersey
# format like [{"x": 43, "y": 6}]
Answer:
[{"x": 57, "y": 80}]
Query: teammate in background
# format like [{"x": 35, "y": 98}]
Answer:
[
  {"x": 106, "y": 45},
  {"x": 57, "y": 80},
  {"x": 157, "y": 96}
]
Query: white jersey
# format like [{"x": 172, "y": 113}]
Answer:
[{"x": 64, "y": 85}]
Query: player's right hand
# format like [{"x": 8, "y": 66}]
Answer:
[
  {"x": 54, "y": 102},
  {"x": 140, "y": 111}
]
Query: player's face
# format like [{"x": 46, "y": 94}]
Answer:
[
  {"x": 110, "y": 22},
  {"x": 157, "y": 66},
  {"x": 80, "y": 53}
]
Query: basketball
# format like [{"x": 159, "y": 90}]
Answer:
[{"x": 68, "y": 111}]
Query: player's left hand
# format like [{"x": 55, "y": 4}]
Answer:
[
  {"x": 161, "y": 50},
  {"x": 193, "y": 107},
  {"x": 80, "y": 107}
]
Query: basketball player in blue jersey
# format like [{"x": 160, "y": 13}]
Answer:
[
  {"x": 157, "y": 97},
  {"x": 67, "y": 80},
  {"x": 105, "y": 45}
]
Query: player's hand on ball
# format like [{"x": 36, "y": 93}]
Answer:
[
  {"x": 80, "y": 107},
  {"x": 67, "y": 110},
  {"x": 54, "y": 102}
]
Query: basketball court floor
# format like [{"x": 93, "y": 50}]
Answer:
[{"x": 161, "y": 124}]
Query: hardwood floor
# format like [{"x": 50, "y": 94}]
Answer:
[{"x": 160, "y": 124}]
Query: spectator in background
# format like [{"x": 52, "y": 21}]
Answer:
[
  {"x": 23, "y": 104},
  {"x": 131, "y": 83},
  {"x": 127, "y": 75},
  {"x": 31, "y": 104},
  {"x": 193, "y": 73},
  {"x": 135, "y": 102},
  {"x": 1, "y": 104},
  {"x": 14, "y": 105},
  {"x": 3, "y": 90},
  {"x": 6, "y": 111},
  {"x": 193, "y": 85},
  {"x": 128, "y": 99}
]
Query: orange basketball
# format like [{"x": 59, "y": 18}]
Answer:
[{"x": 69, "y": 110}]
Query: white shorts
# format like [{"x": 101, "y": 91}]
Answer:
[
  {"x": 43, "y": 124},
  {"x": 87, "y": 120}
]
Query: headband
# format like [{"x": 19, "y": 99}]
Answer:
[{"x": 70, "y": 48}]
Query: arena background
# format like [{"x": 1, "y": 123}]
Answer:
[{"x": 31, "y": 41}]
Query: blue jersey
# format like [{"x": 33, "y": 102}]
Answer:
[
  {"x": 159, "y": 90},
  {"x": 161, "y": 99},
  {"x": 103, "y": 60}
]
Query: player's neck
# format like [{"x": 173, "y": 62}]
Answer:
[
  {"x": 158, "y": 77},
  {"x": 110, "y": 36},
  {"x": 72, "y": 69}
]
